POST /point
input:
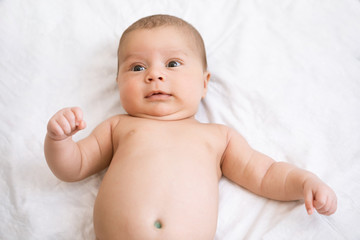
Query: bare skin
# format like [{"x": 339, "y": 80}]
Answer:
[{"x": 164, "y": 166}]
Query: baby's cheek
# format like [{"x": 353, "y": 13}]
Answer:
[
  {"x": 128, "y": 90},
  {"x": 126, "y": 95}
]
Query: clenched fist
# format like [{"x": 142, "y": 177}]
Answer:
[
  {"x": 319, "y": 196},
  {"x": 65, "y": 123}
]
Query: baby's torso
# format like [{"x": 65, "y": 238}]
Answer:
[{"x": 162, "y": 182}]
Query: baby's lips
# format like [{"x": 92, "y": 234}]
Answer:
[{"x": 156, "y": 92}]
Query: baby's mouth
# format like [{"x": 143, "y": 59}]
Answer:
[{"x": 158, "y": 95}]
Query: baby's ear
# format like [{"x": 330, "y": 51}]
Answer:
[{"x": 206, "y": 80}]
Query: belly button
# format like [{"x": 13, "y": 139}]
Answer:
[{"x": 158, "y": 224}]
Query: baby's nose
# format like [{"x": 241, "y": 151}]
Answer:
[
  {"x": 154, "y": 75},
  {"x": 149, "y": 79}
]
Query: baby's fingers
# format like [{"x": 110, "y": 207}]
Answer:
[
  {"x": 79, "y": 122},
  {"x": 309, "y": 198},
  {"x": 320, "y": 204},
  {"x": 78, "y": 115},
  {"x": 332, "y": 208},
  {"x": 326, "y": 205},
  {"x": 55, "y": 130},
  {"x": 74, "y": 117},
  {"x": 65, "y": 123},
  {"x": 68, "y": 121},
  {"x": 322, "y": 198}
]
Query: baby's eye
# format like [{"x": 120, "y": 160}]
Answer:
[
  {"x": 172, "y": 64},
  {"x": 137, "y": 68}
]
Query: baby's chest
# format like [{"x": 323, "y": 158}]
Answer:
[
  {"x": 172, "y": 139},
  {"x": 171, "y": 147}
]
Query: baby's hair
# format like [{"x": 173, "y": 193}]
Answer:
[{"x": 163, "y": 20}]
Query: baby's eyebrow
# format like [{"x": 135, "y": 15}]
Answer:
[
  {"x": 175, "y": 53},
  {"x": 166, "y": 52},
  {"x": 132, "y": 56}
]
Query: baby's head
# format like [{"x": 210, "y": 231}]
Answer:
[
  {"x": 161, "y": 20},
  {"x": 162, "y": 68}
]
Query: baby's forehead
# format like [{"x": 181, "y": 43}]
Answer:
[
  {"x": 181, "y": 31},
  {"x": 172, "y": 40}
]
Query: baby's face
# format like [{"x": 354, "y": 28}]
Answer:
[{"x": 161, "y": 74}]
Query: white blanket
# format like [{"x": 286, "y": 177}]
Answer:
[{"x": 285, "y": 74}]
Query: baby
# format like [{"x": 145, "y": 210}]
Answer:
[{"x": 164, "y": 165}]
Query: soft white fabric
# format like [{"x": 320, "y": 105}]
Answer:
[{"x": 285, "y": 74}]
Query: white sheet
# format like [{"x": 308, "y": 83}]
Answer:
[{"x": 286, "y": 74}]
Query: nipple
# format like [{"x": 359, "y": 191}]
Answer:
[{"x": 157, "y": 224}]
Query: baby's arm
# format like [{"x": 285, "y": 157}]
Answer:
[
  {"x": 71, "y": 161},
  {"x": 276, "y": 180}
]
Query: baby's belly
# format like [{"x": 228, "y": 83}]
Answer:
[{"x": 157, "y": 199}]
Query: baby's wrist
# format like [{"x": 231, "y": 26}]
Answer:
[
  {"x": 310, "y": 180},
  {"x": 56, "y": 138}
]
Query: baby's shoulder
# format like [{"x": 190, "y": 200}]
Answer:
[
  {"x": 217, "y": 129},
  {"x": 216, "y": 126},
  {"x": 114, "y": 121}
]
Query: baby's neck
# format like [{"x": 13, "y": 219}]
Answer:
[{"x": 165, "y": 118}]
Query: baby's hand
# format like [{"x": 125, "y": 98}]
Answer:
[
  {"x": 320, "y": 196},
  {"x": 65, "y": 123}
]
